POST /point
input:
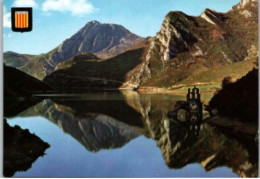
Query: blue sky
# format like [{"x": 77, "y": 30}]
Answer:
[{"x": 56, "y": 20}]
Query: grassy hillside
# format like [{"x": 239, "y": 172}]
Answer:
[
  {"x": 217, "y": 74},
  {"x": 33, "y": 65}
]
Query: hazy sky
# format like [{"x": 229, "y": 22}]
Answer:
[{"x": 56, "y": 20}]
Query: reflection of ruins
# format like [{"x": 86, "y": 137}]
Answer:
[
  {"x": 111, "y": 120},
  {"x": 192, "y": 107}
]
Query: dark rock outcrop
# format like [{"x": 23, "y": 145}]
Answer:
[
  {"x": 21, "y": 149},
  {"x": 238, "y": 99},
  {"x": 234, "y": 108}
]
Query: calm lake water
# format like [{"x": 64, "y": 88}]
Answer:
[{"x": 125, "y": 135}]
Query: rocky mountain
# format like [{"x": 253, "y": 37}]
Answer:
[
  {"x": 103, "y": 40},
  {"x": 186, "y": 51},
  {"x": 202, "y": 45},
  {"x": 245, "y": 3}
]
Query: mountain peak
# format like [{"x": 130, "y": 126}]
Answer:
[
  {"x": 210, "y": 15},
  {"x": 102, "y": 39},
  {"x": 207, "y": 10},
  {"x": 94, "y": 22},
  {"x": 244, "y": 3}
]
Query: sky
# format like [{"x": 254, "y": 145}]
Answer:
[{"x": 57, "y": 20}]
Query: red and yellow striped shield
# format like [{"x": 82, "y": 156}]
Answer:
[{"x": 21, "y": 19}]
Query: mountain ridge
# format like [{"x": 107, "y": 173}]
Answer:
[
  {"x": 102, "y": 39},
  {"x": 183, "y": 52},
  {"x": 199, "y": 43},
  {"x": 188, "y": 50}
]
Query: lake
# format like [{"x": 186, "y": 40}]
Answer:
[{"x": 126, "y": 134}]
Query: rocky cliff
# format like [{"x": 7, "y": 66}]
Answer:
[
  {"x": 199, "y": 44},
  {"x": 245, "y": 3}
]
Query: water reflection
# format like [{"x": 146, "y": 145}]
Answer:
[
  {"x": 185, "y": 144},
  {"x": 94, "y": 130},
  {"x": 110, "y": 120}
]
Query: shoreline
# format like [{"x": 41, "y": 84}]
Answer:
[{"x": 207, "y": 88}]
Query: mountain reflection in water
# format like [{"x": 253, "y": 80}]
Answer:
[{"x": 110, "y": 120}]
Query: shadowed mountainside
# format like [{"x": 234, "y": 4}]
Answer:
[
  {"x": 80, "y": 73},
  {"x": 18, "y": 90}
]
